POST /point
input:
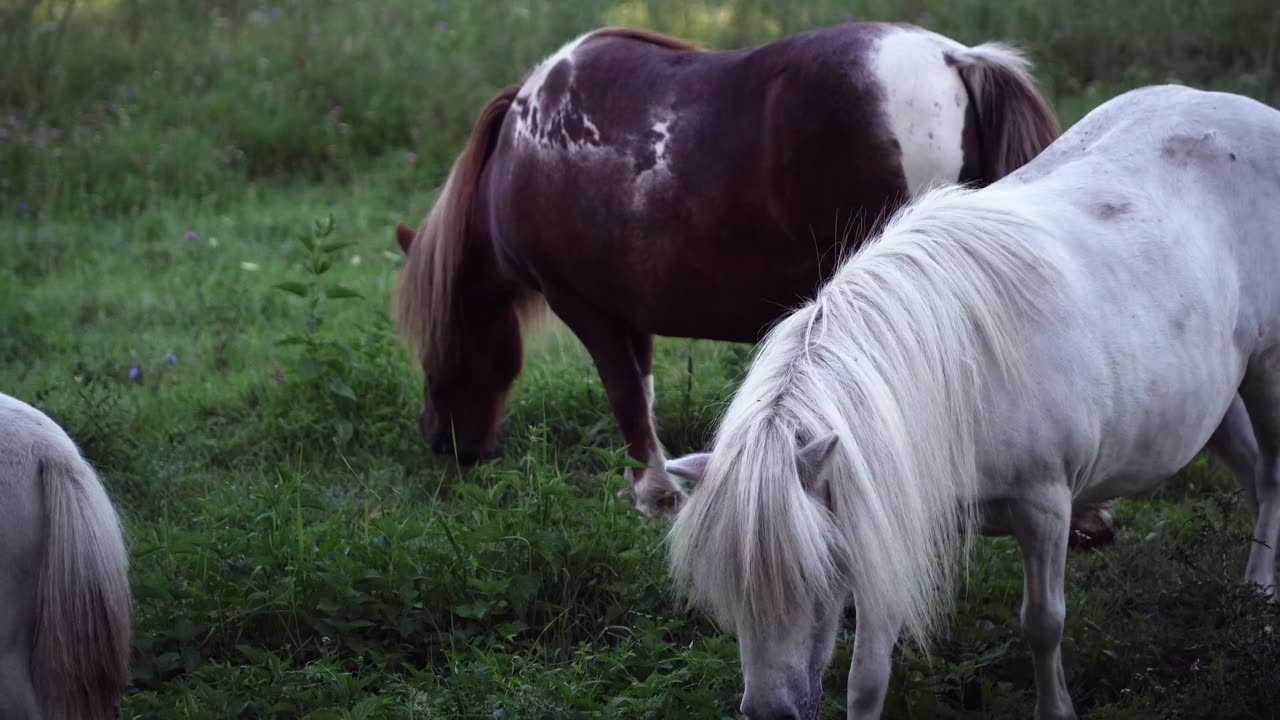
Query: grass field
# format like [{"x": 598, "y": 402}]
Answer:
[{"x": 166, "y": 166}]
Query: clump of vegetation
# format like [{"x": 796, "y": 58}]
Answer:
[{"x": 338, "y": 383}]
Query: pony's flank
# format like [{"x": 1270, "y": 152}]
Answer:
[{"x": 887, "y": 357}]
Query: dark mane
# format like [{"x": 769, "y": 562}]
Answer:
[{"x": 648, "y": 36}]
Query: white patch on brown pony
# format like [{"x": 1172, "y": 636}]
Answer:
[{"x": 911, "y": 67}]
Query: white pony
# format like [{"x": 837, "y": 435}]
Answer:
[
  {"x": 64, "y": 585},
  {"x": 1070, "y": 334}
]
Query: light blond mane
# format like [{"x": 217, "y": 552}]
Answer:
[{"x": 890, "y": 357}]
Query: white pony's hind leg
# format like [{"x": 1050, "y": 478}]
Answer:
[
  {"x": 1235, "y": 445},
  {"x": 21, "y": 526},
  {"x": 1261, "y": 394},
  {"x": 1041, "y": 529}
]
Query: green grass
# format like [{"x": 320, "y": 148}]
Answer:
[{"x": 297, "y": 553}]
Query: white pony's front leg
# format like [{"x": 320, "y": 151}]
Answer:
[
  {"x": 1041, "y": 529},
  {"x": 873, "y": 643}
]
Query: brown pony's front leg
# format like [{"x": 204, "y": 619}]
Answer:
[{"x": 624, "y": 360}]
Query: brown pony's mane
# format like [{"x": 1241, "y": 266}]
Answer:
[
  {"x": 649, "y": 36},
  {"x": 425, "y": 292}
]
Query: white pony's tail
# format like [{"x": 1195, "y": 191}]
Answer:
[
  {"x": 1015, "y": 122},
  {"x": 80, "y": 658}
]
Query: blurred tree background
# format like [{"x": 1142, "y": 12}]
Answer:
[{"x": 110, "y": 103}]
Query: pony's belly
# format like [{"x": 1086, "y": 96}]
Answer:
[
  {"x": 1128, "y": 464},
  {"x": 1128, "y": 482}
]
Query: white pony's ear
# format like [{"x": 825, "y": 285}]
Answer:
[
  {"x": 690, "y": 467},
  {"x": 815, "y": 463}
]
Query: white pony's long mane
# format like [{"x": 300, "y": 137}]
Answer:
[{"x": 890, "y": 356}]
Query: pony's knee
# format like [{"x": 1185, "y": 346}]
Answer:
[
  {"x": 867, "y": 689},
  {"x": 1043, "y": 622}
]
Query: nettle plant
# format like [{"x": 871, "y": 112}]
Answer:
[{"x": 325, "y": 360}]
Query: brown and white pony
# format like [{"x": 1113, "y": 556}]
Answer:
[{"x": 639, "y": 186}]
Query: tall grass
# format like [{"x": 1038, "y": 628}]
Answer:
[{"x": 112, "y": 103}]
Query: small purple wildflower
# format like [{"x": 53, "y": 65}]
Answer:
[
  {"x": 134, "y": 373},
  {"x": 276, "y": 12},
  {"x": 191, "y": 235},
  {"x": 24, "y": 208},
  {"x": 173, "y": 359},
  {"x": 132, "y": 92},
  {"x": 411, "y": 157}
]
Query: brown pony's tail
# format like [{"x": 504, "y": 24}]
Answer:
[
  {"x": 1014, "y": 120},
  {"x": 80, "y": 656},
  {"x": 424, "y": 293}
]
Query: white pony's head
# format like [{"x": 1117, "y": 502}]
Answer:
[{"x": 785, "y": 639}]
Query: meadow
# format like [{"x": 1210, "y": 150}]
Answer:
[{"x": 197, "y": 203}]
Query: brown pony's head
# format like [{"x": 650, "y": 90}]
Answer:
[
  {"x": 469, "y": 344},
  {"x": 470, "y": 350},
  {"x": 458, "y": 311},
  {"x": 464, "y": 396}
]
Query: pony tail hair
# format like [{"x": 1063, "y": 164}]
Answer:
[
  {"x": 80, "y": 655},
  {"x": 424, "y": 291},
  {"x": 1015, "y": 122}
]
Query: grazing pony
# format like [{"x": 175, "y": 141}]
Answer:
[
  {"x": 639, "y": 186},
  {"x": 64, "y": 584},
  {"x": 1070, "y": 334}
]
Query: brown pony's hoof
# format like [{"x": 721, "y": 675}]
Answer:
[
  {"x": 657, "y": 505},
  {"x": 1092, "y": 527}
]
